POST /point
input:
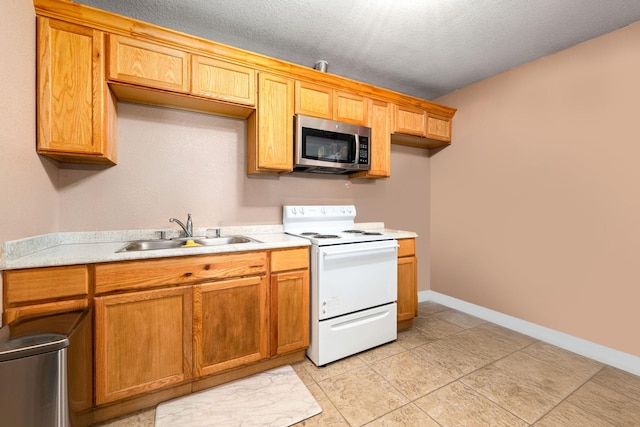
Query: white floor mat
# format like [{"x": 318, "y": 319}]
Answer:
[{"x": 275, "y": 398}]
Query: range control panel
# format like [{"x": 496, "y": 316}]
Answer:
[
  {"x": 302, "y": 218},
  {"x": 319, "y": 212}
]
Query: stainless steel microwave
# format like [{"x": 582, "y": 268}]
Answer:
[{"x": 327, "y": 146}]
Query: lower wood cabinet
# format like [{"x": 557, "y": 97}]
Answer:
[
  {"x": 407, "y": 283},
  {"x": 143, "y": 342},
  {"x": 289, "y": 311},
  {"x": 230, "y": 324},
  {"x": 289, "y": 300},
  {"x": 165, "y": 326}
]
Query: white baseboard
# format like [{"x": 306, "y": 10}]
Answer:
[{"x": 606, "y": 355}]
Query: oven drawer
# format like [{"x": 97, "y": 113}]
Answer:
[{"x": 346, "y": 335}]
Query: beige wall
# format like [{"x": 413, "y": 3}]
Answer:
[
  {"x": 28, "y": 200},
  {"x": 172, "y": 162},
  {"x": 536, "y": 205}
]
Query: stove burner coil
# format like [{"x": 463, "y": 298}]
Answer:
[
  {"x": 364, "y": 233},
  {"x": 326, "y": 236}
]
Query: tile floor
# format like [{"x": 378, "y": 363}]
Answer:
[{"x": 452, "y": 369}]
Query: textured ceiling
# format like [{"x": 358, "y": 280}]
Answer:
[{"x": 424, "y": 48}]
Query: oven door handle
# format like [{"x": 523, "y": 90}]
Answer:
[{"x": 359, "y": 251}]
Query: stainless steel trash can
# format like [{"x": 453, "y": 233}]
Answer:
[{"x": 45, "y": 370}]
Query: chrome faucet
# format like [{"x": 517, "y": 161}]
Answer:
[{"x": 188, "y": 229}]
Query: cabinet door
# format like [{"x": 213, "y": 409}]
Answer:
[
  {"x": 229, "y": 324},
  {"x": 314, "y": 100},
  {"x": 270, "y": 128},
  {"x": 407, "y": 282},
  {"x": 289, "y": 311},
  {"x": 323, "y": 102},
  {"x": 407, "y": 288},
  {"x": 143, "y": 342},
  {"x": 380, "y": 119},
  {"x": 222, "y": 80},
  {"x": 76, "y": 112},
  {"x": 410, "y": 120},
  {"x": 438, "y": 127},
  {"x": 350, "y": 108},
  {"x": 148, "y": 64}
]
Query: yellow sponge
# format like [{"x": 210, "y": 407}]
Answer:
[{"x": 190, "y": 244}]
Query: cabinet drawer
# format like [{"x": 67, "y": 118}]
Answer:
[
  {"x": 39, "y": 284},
  {"x": 291, "y": 259},
  {"x": 407, "y": 247},
  {"x": 146, "y": 274}
]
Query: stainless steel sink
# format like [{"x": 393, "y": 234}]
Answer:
[
  {"x": 150, "y": 245},
  {"x": 215, "y": 241}
]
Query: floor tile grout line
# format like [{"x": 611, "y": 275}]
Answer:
[
  {"x": 565, "y": 399},
  {"x": 616, "y": 390}
]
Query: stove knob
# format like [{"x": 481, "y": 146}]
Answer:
[
  {"x": 294, "y": 211},
  {"x": 323, "y": 210},
  {"x": 301, "y": 211}
]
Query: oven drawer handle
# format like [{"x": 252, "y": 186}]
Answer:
[
  {"x": 360, "y": 321},
  {"x": 357, "y": 251}
]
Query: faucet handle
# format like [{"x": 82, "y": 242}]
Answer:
[{"x": 212, "y": 232}]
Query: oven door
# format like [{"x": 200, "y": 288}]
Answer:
[{"x": 352, "y": 277}]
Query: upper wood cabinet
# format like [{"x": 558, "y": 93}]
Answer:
[
  {"x": 76, "y": 112},
  {"x": 380, "y": 121},
  {"x": 147, "y": 64},
  {"x": 410, "y": 120},
  {"x": 270, "y": 128},
  {"x": 350, "y": 108},
  {"x": 328, "y": 103},
  {"x": 222, "y": 80},
  {"x": 314, "y": 100},
  {"x": 438, "y": 127},
  {"x": 97, "y": 58},
  {"x": 420, "y": 128}
]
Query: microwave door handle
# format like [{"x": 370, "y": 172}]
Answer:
[{"x": 359, "y": 251}]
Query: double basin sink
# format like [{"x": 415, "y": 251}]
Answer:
[{"x": 189, "y": 242}]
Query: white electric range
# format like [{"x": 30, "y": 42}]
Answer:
[{"x": 353, "y": 275}]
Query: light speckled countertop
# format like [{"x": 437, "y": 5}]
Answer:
[{"x": 103, "y": 246}]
